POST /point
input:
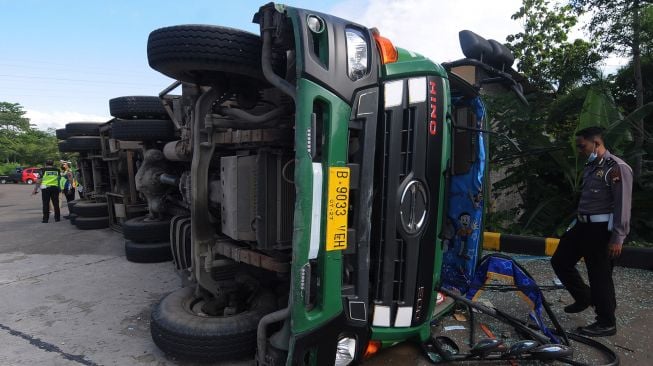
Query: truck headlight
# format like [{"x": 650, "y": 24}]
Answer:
[
  {"x": 315, "y": 24},
  {"x": 346, "y": 351},
  {"x": 357, "y": 54}
]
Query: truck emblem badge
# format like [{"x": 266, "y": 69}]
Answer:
[{"x": 413, "y": 207}]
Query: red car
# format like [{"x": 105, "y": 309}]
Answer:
[{"x": 30, "y": 175}]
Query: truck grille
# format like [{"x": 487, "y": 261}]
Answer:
[{"x": 403, "y": 163}]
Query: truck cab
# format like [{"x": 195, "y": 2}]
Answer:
[{"x": 313, "y": 165}]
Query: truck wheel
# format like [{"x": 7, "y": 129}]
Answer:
[
  {"x": 61, "y": 134},
  {"x": 91, "y": 223},
  {"x": 148, "y": 252},
  {"x": 137, "y": 107},
  {"x": 83, "y": 129},
  {"x": 202, "y": 54},
  {"x": 181, "y": 329},
  {"x": 90, "y": 209},
  {"x": 80, "y": 143},
  {"x": 63, "y": 146},
  {"x": 71, "y": 204},
  {"x": 143, "y": 130},
  {"x": 142, "y": 230}
]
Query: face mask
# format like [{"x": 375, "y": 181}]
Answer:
[{"x": 593, "y": 155}]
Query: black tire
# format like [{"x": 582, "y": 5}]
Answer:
[
  {"x": 137, "y": 107},
  {"x": 72, "y": 217},
  {"x": 61, "y": 134},
  {"x": 180, "y": 333},
  {"x": 63, "y": 146},
  {"x": 91, "y": 223},
  {"x": 3, "y": 180},
  {"x": 83, "y": 129},
  {"x": 143, "y": 130},
  {"x": 90, "y": 209},
  {"x": 140, "y": 230},
  {"x": 71, "y": 204},
  {"x": 204, "y": 53},
  {"x": 80, "y": 143},
  {"x": 148, "y": 252},
  {"x": 29, "y": 181}
]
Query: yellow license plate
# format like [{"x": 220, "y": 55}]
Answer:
[{"x": 337, "y": 208}]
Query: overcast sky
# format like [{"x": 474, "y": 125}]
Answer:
[{"x": 63, "y": 60}]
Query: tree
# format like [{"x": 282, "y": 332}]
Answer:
[
  {"x": 12, "y": 117},
  {"x": 620, "y": 26},
  {"x": 20, "y": 143},
  {"x": 547, "y": 173},
  {"x": 12, "y": 124},
  {"x": 535, "y": 144},
  {"x": 545, "y": 56},
  {"x": 37, "y": 146}
]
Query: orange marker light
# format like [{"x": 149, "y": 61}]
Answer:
[
  {"x": 372, "y": 348},
  {"x": 387, "y": 49}
]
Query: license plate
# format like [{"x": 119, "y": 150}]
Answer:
[{"x": 337, "y": 208}]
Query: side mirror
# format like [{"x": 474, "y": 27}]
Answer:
[
  {"x": 474, "y": 46},
  {"x": 501, "y": 57},
  {"x": 492, "y": 57},
  {"x": 490, "y": 52}
]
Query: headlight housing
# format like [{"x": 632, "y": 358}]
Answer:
[
  {"x": 315, "y": 24},
  {"x": 358, "y": 50},
  {"x": 346, "y": 351}
]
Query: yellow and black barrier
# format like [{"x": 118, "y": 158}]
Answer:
[
  {"x": 631, "y": 257},
  {"x": 531, "y": 245}
]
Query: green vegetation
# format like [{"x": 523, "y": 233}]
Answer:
[
  {"x": 534, "y": 146},
  {"x": 20, "y": 143}
]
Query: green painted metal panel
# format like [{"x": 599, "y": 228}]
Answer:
[
  {"x": 329, "y": 264},
  {"x": 410, "y": 63}
]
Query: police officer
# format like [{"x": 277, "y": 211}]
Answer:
[
  {"x": 49, "y": 184},
  {"x": 602, "y": 223},
  {"x": 68, "y": 183}
]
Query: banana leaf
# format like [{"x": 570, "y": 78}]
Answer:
[{"x": 599, "y": 109}]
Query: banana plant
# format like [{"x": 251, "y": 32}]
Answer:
[
  {"x": 539, "y": 159},
  {"x": 598, "y": 109}
]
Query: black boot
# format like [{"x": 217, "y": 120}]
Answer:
[
  {"x": 597, "y": 329},
  {"x": 576, "y": 307}
]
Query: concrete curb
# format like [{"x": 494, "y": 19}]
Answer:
[{"x": 631, "y": 257}]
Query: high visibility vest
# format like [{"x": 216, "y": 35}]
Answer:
[
  {"x": 62, "y": 183},
  {"x": 50, "y": 177}
]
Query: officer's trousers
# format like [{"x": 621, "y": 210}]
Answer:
[
  {"x": 50, "y": 194},
  {"x": 70, "y": 194},
  {"x": 588, "y": 241}
]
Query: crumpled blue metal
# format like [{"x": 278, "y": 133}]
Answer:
[
  {"x": 465, "y": 213},
  {"x": 496, "y": 267}
]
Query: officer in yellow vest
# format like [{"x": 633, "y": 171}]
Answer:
[
  {"x": 68, "y": 182},
  {"x": 49, "y": 184}
]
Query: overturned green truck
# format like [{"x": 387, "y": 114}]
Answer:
[{"x": 307, "y": 189}]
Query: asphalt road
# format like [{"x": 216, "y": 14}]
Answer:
[{"x": 69, "y": 297}]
